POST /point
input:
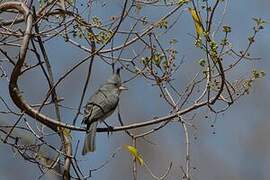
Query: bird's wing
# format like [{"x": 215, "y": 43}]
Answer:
[{"x": 100, "y": 106}]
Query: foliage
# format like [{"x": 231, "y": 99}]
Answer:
[{"x": 132, "y": 39}]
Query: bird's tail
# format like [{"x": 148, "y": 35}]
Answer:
[{"x": 90, "y": 139}]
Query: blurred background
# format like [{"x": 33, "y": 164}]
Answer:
[{"x": 233, "y": 145}]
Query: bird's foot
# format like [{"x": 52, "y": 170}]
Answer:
[{"x": 110, "y": 130}]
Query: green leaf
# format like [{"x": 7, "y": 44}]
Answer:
[
  {"x": 227, "y": 29},
  {"x": 202, "y": 62}
]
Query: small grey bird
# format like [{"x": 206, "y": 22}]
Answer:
[{"x": 100, "y": 105}]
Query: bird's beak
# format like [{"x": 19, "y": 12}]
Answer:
[{"x": 123, "y": 87}]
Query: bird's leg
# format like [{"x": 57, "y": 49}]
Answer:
[{"x": 110, "y": 128}]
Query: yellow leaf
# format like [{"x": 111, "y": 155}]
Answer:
[
  {"x": 181, "y": 2},
  {"x": 134, "y": 152},
  {"x": 197, "y": 22}
]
